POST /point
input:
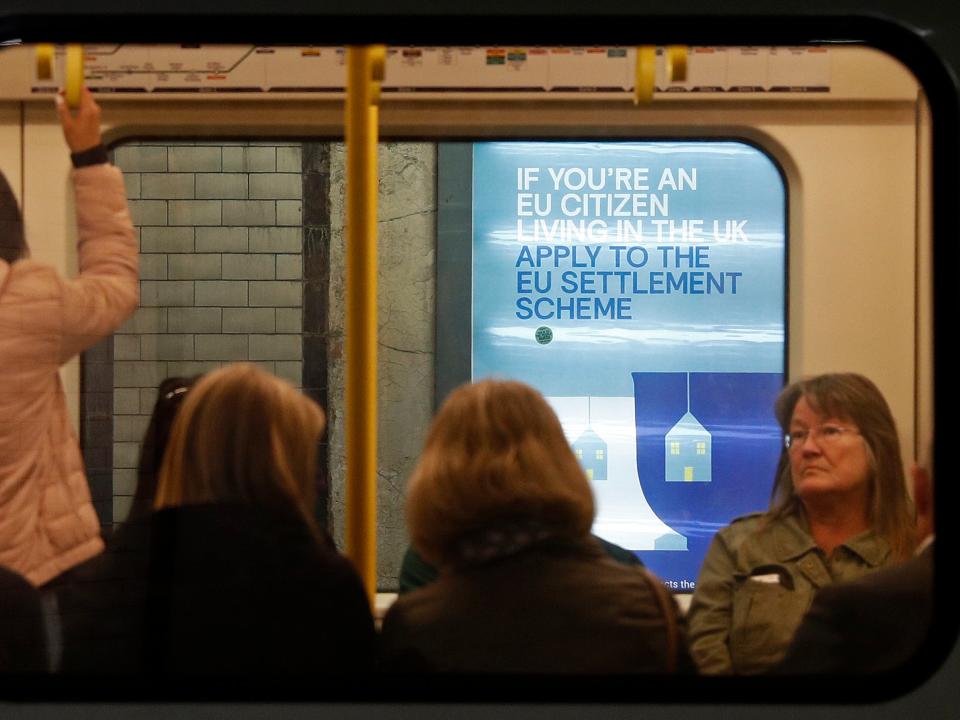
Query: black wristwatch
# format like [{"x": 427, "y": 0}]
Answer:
[{"x": 97, "y": 155}]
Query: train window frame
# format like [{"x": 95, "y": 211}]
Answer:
[{"x": 933, "y": 77}]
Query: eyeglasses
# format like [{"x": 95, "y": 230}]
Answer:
[{"x": 823, "y": 435}]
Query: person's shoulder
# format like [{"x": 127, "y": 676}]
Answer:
[
  {"x": 586, "y": 567},
  {"x": 745, "y": 524},
  {"x": 30, "y": 275},
  {"x": 37, "y": 286},
  {"x": 415, "y": 572},
  {"x": 424, "y": 607},
  {"x": 32, "y": 289},
  {"x": 331, "y": 560},
  {"x": 912, "y": 578},
  {"x": 617, "y": 552},
  {"x": 13, "y": 582},
  {"x": 314, "y": 559},
  {"x": 752, "y": 529},
  {"x": 749, "y": 519}
]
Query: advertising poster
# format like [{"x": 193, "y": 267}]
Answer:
[{"x": 640, "y": 286}]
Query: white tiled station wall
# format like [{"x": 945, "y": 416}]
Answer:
[{"x": 221, "y": 267}]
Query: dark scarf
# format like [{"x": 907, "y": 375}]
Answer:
[{"x": 500, "y": 541}]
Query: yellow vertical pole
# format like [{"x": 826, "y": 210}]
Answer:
[{"x": 365, "y": 66}]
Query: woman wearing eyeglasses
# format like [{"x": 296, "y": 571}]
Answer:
[{"x": 839, "y": 510}]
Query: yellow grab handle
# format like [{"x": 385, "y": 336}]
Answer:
[
  {"x": 74, "y": 81},
  {"x": 676, "y": 62},
  {"x": 365, "y": 71},
  {"x": 378, "y": 69},
  {"x": 645, "y": 81},
  {"x": 45, "y": 61}
]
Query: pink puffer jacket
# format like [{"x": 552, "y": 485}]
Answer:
[{"x": 47, "y": 520}]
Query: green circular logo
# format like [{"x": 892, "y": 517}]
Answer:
[{"x": 543, "y": 335}]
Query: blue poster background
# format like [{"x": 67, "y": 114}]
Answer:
[
  {"x": 689, "y": 238},
  {"x": 746, "y": 439}
]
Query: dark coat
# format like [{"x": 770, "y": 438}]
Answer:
[
  {"x": 22, "y": 640},
  {"x": 869, "y": 625},
  {"x": 559, "y": 606},
  {"x": 217, "y": 589},
  {"x": 415, "y": 572}
]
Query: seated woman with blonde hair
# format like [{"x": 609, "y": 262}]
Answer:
[
  {"x": 240, "y": 580},
  {"x": 499, "y": 503}
]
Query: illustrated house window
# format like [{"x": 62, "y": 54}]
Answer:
[
  {"x": 674, "y": 448},
  {"x": 579, "y": 453},
  {"x": 701, "y": 448},
  {"x": 599, "y": 454}
]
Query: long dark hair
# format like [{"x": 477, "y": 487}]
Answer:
[
  {"x": 169, "y": 398},
  {"x": 13, "y": 243}
]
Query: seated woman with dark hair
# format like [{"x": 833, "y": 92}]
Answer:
[
  {"x": 92, "y": 591},
  {"x": 500, "y": 505},
  {"x": 240, "y": 581}
]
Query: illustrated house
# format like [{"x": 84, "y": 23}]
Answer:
[
  {"x": 687, "y": 449},
  {"x": 591, "y": 451}
]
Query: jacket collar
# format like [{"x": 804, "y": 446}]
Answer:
[{"x": 792, "y": 540}]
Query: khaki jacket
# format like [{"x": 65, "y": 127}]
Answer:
[
  {"x": 47, "y": 521},
  {"x": 756, "y": 583}
]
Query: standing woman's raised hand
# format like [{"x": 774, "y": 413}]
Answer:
[{"x": 81, "y": 127}]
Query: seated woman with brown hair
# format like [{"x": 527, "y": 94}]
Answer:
[
  {"x": 499, "y": 503},
  {"x": 840, "y": 510},
  {"x": 240, "y": 580}
]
